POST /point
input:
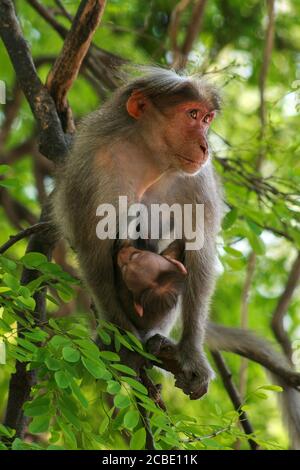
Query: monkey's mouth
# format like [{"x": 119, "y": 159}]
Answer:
[{"x": 189, "y": 160}]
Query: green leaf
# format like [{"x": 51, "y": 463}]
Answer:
[
  {"x": 39, "y": 424},
  {"x": 138, "y": 440},
  {"x": 261, "y": 395},
  {"x": 113, "y": 387},
  {"x": 229, "y": 218},
  {"x": 237, "y": 264},
  {"x": 124, "y": 369},
  {"x": 254, "y": 227},
  {"x": 9, "y": 183},
  {"x": 109, "y": 355},
  {"x": 105, "y": 338},
  {"x": 24, "y": 292},
  {"x": 6, "y": 431},
  {"x": 233, "y": 252},
  {"x": 134, "y": 339},
  {"x": 52, "y": 299},
  {"x": 52, "y": 363},
  {"x": 88, "y": 347},
  {"x": 95, "y": 369},
  {"x": 78, "y": 394},
  {"x": 4, "y": 289},
  {"x": 135, "y": 384},
  {"x": 121, "y": 401},
  {"x": 18, "y": 444},
  {"x": 273, "y": 388},
  {"x": 4, "y": 169},
  {"x": 11, "y": 281},
  {"x": 36, "y": 335},
  {"x": 59, "y": 341},
  {"x": 70, "y": 354},
  {"x": 7, "y": 263},
  {"x": 62, "y": 379},
  {"x": 41, "y": 400},
  {"x": 69, "y": 409},
  {"x": 36, "y": 410},
  {"x": 66, "y": 293},
  {"x": 27, "y": 344},
  {"x": 131, "y": 419},
  {"x": 104, "y": 426},
  {"x": 33, "y": 260},
  {"x": 68, "y": 435},
  {"x": 27, "y": 302},
  {"x": 125, "y": 343},
  {"x": 256, "y": 243},
  {"x": 79, "y": 331}
]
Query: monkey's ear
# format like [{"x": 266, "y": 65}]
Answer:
[
  {"x": 136, "y": 104},
  {"x": 139, "y": 309},
  {"x": 177, "y": 263}
]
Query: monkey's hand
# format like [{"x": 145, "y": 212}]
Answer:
[
  {"x": 195, "y": 373},
  {"x": 189, "y": 365}
]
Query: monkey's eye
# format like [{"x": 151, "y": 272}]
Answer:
[
  {"x": 134, "y": 255},
  {"x": 208, "y": 117},
  {"x": 193, "y": 113}
]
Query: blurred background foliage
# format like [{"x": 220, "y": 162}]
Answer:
[{"x": 229, "y": 49}]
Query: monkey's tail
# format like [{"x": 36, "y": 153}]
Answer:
[{"x": 247, "y": 344}]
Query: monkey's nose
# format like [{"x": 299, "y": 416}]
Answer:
[{"x": 203, "y": 148}]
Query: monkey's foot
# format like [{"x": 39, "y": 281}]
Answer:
[
  {"x": 190, "y": 368},
  {"x": 195, "y": 374},
  {"x": 160, "y": 346}
]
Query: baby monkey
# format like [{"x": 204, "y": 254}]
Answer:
[{"x": 152, "y": 284}]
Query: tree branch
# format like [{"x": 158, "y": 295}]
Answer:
[
  {"x": 174, "y": 25},
  {"x": 282, "y": 306},
  {"x": 36, "y": 228},
  {"x": 67, "y": 65},
  {"x": 234, "y": 396},
  {"x": 101, "y": 63},
  {"x": 193, "y": 28},
  {"x": 60, "y": 29},
  {"x": 52, "y": 139},
  {"x": 245, "y": 318}
]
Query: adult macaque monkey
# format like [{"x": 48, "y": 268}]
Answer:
[{"x": 148, "y": 142}]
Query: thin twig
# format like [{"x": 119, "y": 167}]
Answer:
[
  {"x": 208, "y": 436},
  {"x": 282, "y": 307},
  {"x": 234, "y": 396},
  {"x": 39, "y": 227},
  {"x": 245, "y": 317}
]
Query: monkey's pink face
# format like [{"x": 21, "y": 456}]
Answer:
[{"x": 186, "y": 135}]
